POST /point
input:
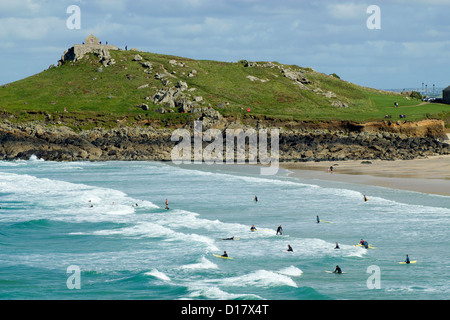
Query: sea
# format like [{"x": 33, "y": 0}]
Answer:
[{"x": 100, "y": 231}]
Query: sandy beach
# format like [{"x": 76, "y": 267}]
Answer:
[{"x": 430, "y": 175}]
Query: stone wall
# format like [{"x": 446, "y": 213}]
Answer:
[{"x": 78, "y": 51}]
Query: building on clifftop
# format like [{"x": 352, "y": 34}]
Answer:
[
  {"x": 446, "y": 95},
  {"x": 91, "y": 45}
]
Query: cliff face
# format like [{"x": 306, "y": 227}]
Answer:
[{"x": 298, "y": 141}]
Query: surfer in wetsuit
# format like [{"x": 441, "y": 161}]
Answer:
[
  {"x": 337, "y": 246},
  {"x": 225, "y": 254},
  {"x": 364, "y": 243},
  {"x": 253, "y": 228},
  {"x": 318, "y": 220},
  {"x": 290, "y": 248},
  {"x": 256, "y": 198},
  {"x": 232, "y": 238},
  {"x": 337, "y": 270},
  {"x": 167, "y": 205},
  {"x": 365, "y": 198},
  {"x": 407, "y": 261},
  {"x": 280, "y": 230}
]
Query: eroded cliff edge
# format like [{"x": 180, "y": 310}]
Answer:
[{"x": 298, "y": 140}]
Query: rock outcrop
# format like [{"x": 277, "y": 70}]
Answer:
[
  {"x": 91, "y": 45},
  {"x": 298, "y": 141}
]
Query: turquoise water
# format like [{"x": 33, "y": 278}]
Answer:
[{"x": 128, "y": 247}]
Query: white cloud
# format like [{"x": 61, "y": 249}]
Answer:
[
  {"x": 22, "y": 29},
  {"x": 328, "y": 35},
  {"x": 348, "y": 11},
  {"x": 19, "y": 8}
]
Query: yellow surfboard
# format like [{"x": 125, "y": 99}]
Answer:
[{"x": 219, "y": 256}]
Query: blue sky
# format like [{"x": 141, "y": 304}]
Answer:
[{"x": 412, "y": 46}]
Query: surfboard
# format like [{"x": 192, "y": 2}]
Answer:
[
  {"x": 360, "y": 245},
  {"x": 334, "y": 272},
  {"x": 403, "y": 262},
  {"x": 326, "y": 221},
  {"x": 219, "y": 256}
]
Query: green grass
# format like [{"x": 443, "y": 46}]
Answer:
[{"x": 104, "y": 99}]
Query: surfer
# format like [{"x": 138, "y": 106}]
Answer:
[
  {"x": 280, "y": 230},
  {"x": 225, "y": 255},
  {"x": 290, "y": 248},
  {"x": 407, "y": 261},
  {"x": 318, "y": 220},
  {"x": 232, "y": 238},
  {"x": 365, "y": 198},
  {"x": 364, "y": 243},
  {"x": 337, "y": 270},
  {"x": 256, "y": 198},
  {"x": 253, "y": 228},
  {"x": 337, "y": 246}
]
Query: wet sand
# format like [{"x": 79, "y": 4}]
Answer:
[{"x": 431, "y": 175}]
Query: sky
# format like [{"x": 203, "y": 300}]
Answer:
[{"x": 401, "y": 44}]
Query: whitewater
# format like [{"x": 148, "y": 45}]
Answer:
[{"x": 109, "y": 220}]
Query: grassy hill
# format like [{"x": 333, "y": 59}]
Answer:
[{"x": 94, "y": 95}]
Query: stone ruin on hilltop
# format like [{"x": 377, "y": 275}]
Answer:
[{"x": 90, "y": 45}]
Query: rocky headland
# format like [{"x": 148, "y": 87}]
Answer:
[
  {"x": 104, "y": 103},
  {"x": 298, "y": 141}
]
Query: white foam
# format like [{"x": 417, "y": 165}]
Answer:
[
  {"x": 215, "y": 293},
  {"x": 157, "y": 274},
  {"x": 33, "y": 157},
  {"x": 191, "y": 220},
  {"x": 291, "y": 271},
  {"x": 60, "y": 200},
  {"x": 154, "y": 230},
  {"x": 260, "y": 278},
  {"x": 202, "y": 265}
]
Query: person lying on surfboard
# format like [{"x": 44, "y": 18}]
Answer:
[
  {"x": 232, "y": 238},
  {"x": 225, "y": 254}
]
